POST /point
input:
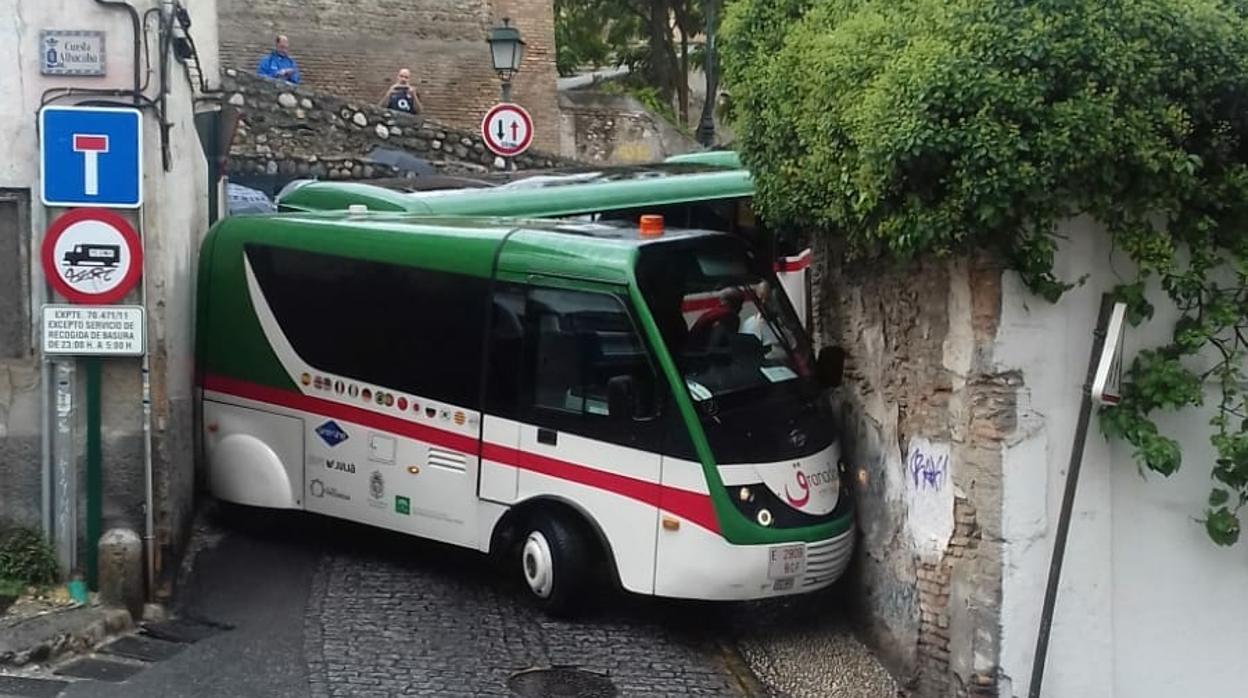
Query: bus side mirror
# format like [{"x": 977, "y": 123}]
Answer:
[{"x": 830, "y": 366}]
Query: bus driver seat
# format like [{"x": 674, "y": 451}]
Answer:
[{"x": 716, "y": 325}]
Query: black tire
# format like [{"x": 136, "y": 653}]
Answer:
[{"x": 566, "y": 555}]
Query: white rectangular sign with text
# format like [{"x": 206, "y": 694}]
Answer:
[{"x": 102, "y": 330}]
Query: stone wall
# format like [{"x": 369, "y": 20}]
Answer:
[
  {"x": 298, "y": 132},
  {"x": 615, "y": 129},
  {"x": 354, "y": 49},
  {"x": 924, "y": 416}
]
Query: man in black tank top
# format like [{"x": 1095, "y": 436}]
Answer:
[{"x": 402, "y": 96}]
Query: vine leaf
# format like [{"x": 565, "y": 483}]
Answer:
[{"x": 1223, "y": 526}]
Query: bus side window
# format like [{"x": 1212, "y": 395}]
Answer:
[
  {"x": 576, "y": 343},
  {"x": 403, "y": 327},
  {"x": 504, "y": 361}
]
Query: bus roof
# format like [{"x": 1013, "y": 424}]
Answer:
[
  {"x": 718, "y": 158},
  {"x": 463, "y": 245},
  {"x": 541, "y": 195}
]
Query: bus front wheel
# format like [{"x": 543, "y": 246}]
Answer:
[{"x": 554, "y": 562}]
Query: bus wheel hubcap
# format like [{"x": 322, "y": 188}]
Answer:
[{"x": 538, "y": 564}]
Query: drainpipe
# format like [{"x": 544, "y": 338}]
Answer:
[
  {"x": 1068, "y": 500},
  {"x": 149, "y": 494},
  {"x": 137, "y": 28},
  {"x": 149, "y": 498},
  {"x": 165, "y": 40}
]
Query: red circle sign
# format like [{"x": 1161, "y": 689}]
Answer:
[
  {"x": 507, "y": 129},
  {"x": 92, "y": 256}
]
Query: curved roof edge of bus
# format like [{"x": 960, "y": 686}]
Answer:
[
  {"x": 718, "y": 158},
  {"x": 459, "y": 244},
  {"x": 309, "y": 195},
  {"x": 562, "y": 200}
]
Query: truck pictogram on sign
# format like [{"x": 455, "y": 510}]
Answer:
[{"x": 92, "y": 256}]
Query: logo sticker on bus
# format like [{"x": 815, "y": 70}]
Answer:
[
  {"x": 319, "y": 490},
  {"x": 377, "y": 490},
  {"x": 402, "y": 505},
  {"x": 340, "y": 465},
  {"x": 331, "y": 433}
]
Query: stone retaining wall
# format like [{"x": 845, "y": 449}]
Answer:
[{"x": 293, "y": 131}]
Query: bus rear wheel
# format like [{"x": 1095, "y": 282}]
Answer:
[{"x": 554, "y": 563}]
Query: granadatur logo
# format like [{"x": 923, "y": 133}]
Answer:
[{"x": 331, "y": 433}]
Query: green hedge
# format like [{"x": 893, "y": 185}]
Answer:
[{"x": 929, "y": 127}]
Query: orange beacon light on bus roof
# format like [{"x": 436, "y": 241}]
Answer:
[{"x": 651, "y": 225}]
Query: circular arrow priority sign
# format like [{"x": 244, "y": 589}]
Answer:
[
  {"x": 507, "y": 130},
  {"x": 92, "y": 256}
]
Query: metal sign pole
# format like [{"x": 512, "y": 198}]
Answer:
[
  {"x": 65, "y": 490},
  {"x": 95, "y": 476}
]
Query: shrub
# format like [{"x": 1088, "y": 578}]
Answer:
[
  {"x": 25, "y": 557},
  {"x": 930, "y": 127}
]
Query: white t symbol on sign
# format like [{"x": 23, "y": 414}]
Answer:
[{"x": 90, "y": 146}]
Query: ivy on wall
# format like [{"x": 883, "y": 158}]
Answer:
[{"x": 933, "y": 127}]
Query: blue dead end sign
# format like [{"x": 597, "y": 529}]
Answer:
[{"x": 91, "y": 156}]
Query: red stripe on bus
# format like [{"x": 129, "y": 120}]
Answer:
[
  {"x": 693, "y": 506},
  {"x": 335, "y": 410},
  {"x": 792, "y": 264},
  {"x": 693, "y": 304}
]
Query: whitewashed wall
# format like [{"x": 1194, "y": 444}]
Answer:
[
  {"x": 173, "y": 220},
  {"x": 1148, "y": 607}
]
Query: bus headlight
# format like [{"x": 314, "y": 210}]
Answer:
[
  {"x": 764, "y": 517},
  {"x": 745, "y": 494}
]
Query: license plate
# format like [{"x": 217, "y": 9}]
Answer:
[{"x": 787, "y": 561}]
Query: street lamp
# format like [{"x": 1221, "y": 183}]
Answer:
[{"x": 506, "y": 52}]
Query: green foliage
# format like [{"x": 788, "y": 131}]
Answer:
[
  {"x": 580, "y": 38},
  {"x": 932, "y": 127},
  {"x": 25, "y": 557},
  {"x": 638, "y": 34},
  {"x": 648, "y": 96}
]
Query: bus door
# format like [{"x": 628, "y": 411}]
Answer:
[{"x": 582, "y": 435}]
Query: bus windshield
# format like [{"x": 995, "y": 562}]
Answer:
[{"x": 744, "y": 356}]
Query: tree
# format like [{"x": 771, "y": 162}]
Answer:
[
  {"x": 706, "y": 125},
  {"x": 923, "y": 127},
  {"x": 636, "y": 33}
]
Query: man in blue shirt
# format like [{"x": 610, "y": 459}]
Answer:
[{"x": 278, "y": 64}]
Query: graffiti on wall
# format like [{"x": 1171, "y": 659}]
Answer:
[
  {"x": 929, "y": 470},
  {"x": 929, "y": 496}
]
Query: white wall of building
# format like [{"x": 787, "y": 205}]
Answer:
[
  {"x": 1148, "y": 606},
  {"x": 172, "y": 221}
]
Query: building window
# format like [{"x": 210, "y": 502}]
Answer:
[{"x": 15, "y": 341}]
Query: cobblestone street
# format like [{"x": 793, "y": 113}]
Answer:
[
  {"x": 319, "y": 607},
  {"x": 446, "y": 625}
]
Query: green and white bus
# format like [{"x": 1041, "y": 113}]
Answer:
[
  {"x": 708, "y": 190},
  {"x": 530, "y": 389}
]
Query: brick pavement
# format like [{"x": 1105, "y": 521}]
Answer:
[{"x": 380, "y": 627}]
